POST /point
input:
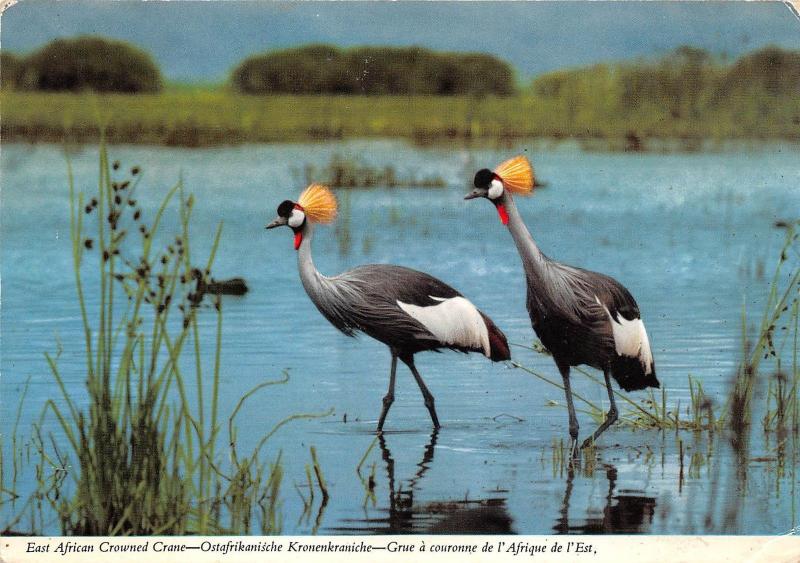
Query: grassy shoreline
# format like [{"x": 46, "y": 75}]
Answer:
[{"x": 196, "y": 118}]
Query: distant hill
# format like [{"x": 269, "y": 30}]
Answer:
[{"x": 203, "y": 41}]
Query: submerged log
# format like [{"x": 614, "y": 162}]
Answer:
[{"x": 233, "y": 286}]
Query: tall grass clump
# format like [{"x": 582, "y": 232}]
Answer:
[
  {"x": 773, "y": 349},
  {"x": 139, "y": 449}
]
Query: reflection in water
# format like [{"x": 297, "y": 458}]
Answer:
[
  {"x": 593, "y": 495},
  {"x": 400, "y": 500},
  {"x": 740, "y": 444},
  {"x": 623, "y": 513},
  {"x": 405, "y": 516},
  {"x": 726, "y": 512},
  {"x": 489, "y": 519}
]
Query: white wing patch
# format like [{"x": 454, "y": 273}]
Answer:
[
  {"x": 630, "y": 339},
  {"x": 454, "y": 321}
]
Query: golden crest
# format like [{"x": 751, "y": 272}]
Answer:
[
  {"x": 517, "y": 175},
  {"x": 319, "y": 203}
]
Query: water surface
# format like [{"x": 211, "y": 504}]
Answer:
[{"x": 691, "y": 235}]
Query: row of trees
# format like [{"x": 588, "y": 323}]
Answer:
[
  {"x": 95, "y": 63},
  {"x": 324, "y": 69},
  {"x": 686, "y": 83}
]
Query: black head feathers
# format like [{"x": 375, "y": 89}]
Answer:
[
  {"x": 483, "y": 178},
  {"x": 285, "y": 208}
]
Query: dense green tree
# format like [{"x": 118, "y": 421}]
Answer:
[
  {"x": 372, "y": 70},
  {"x": 91, "y": 63},
  {"x": 774, "y": 70}
]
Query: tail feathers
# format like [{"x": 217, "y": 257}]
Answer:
[
  {"x": 629, "y": 374},
  {"x": 498, "y": 345}
]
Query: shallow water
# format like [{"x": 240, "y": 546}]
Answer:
[{"x": 691, "y": 235}]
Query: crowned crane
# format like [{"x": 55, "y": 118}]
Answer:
[
  {"x": 407, "y": 310},
  {"x": 581, "y": 317}
]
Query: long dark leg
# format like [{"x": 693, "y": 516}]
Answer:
[
  {"x": 426, "y": 394},
  {"x": 611, "y": 418},
  {"x": 388, "y": 399},
  {"x": 573, "y": 419}
]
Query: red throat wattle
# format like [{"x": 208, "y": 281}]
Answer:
[
  {"x": 501, "y": 210},
  {"x": 298, "y": 238}
]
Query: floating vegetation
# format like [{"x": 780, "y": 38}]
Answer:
[{"x": 343, "y": 172}]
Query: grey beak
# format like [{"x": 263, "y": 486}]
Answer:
[
  {"x": 278, "y": 222},
  {"x": 473, "y": 194}
]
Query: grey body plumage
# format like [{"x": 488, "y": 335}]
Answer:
[
  {"x": 407, "y": 310},
  {"x": 365, "y": 298}
]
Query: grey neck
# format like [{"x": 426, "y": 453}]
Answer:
[
  {"x": 528, "y": 250},
  {"x": 305, "y": 263},
  {"x": 334, "y": 297}
]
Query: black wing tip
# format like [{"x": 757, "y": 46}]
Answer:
[
  {"x": 499, "y": 352},
  {"x": 630, "y": 375},
  {"x": 498, "y": 344},
  {"x": 639, "y": 386},
  {"x": 650, "y": 381}
]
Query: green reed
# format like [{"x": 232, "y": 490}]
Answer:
[
  {"x": 139, "y": 453},
  {"x": 350, "y": 173},
  {"x": 777, "y": 330}
]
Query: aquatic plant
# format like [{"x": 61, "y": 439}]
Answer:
[
  {"x": 138, "y": 453},
  {"x": 776, "y": 337},
  {"x": 343, "y": 172}
]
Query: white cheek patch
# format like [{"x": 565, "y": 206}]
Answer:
[
  {"x": 495, "y": 189},
  {"x": 296, "y": 218}
]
